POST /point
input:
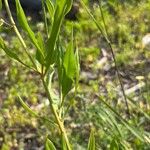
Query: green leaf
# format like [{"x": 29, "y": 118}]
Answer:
[
  {"x": 33, "y": 113},
  {"x": 41, "y": 42},
  {"x": 42, "y": 47},
  {"x": 66, "y": 84},
  {"x": 69, "y": 5},
  {"x": 49, "y": 145},
  {"x": 9, "y": 52},
  {"x": 91, "y": 143},
  {"x": 58, "y": 18},
  {"x": 50, "y": 8},
  {"x": 70, "y": 68},
  {"x": 69, "y": 62},
  {"x": 27, "y": 108},
  {"x": 24, "y": 24}
]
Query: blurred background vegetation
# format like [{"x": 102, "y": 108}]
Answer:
[{"x": 127, "y": 23}]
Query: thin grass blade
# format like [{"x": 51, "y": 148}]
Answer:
[
  {"x": 50, "y": 8},
  {"x": 91, "y": 143},
  {"x": 49, "y": 145},
  {"x": 133, "y": 130}
]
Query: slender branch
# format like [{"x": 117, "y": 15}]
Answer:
[
  {"x": 114, "y": 59},
  {"x": 18, "y": 34},
  {"x": 58, "y": 120},
  {"x": 105, "y": 35}
]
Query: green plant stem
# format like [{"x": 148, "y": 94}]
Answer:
[
  {"x": 114, "y": 59},
  {"x": 60, "y": 107},
  {"x": 58, "y": 120},
  {"x": 105, "y": 35},
  {"x": 18, "y": 34}
]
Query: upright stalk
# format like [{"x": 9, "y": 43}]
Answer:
[
  {"x": 114, "y": 59},
  {"x": 17, "y": 33},
  {"x": 106, "y": 37},
  {"x": 57, "y": 118}
]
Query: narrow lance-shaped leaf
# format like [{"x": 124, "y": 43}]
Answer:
[
  {"x": 50, "y": 8},
  {"x": 70, "y": 66},
  {"x": 33, "y": 113},
  {"x": 24, "y": 24},
  {"x": 42, "y": 47},
  {"x": 58, "y": 17},
  {"x": 66, "y": 84},
  {"x": 48, "y": 21},
  {"x": 69, "y": 63},
  {"x": 10, "y": 52},
  {"x": 26, "y": 107},
  {"x": 91, "y": 143},
  {"x": 59, "y": 14},
  {"x": 68, "y": 6},
  {"x": 49, "y": 145}
]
